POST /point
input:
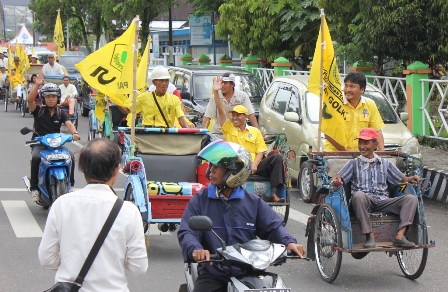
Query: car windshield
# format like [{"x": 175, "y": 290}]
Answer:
[
  {"x": 203, "y": 85},
  {"x": 386, "y": 111},
  {"x": 69, "y": 62}
]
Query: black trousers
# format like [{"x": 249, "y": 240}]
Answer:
[
  {"x": 35, "y": 161},
  {"x": 207, "y": 283},
  {"x": 272, "y": 167}
]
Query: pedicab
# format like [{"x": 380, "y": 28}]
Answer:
[
  {"x": 33, "y": 69},
  {"x": 332, "y": 229},
  {"x": 57, "y": 79}
]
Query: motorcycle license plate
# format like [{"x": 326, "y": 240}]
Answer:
[{"x": 269, "y": 290}]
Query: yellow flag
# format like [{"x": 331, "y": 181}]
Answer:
[
  {"x": 17, "y": 49},
  {"x": 100, "y": 104},
  {"x": 110, "y": 68},
  {"x": 24, "y": 61},
  {"x": 333, "y": 120},
  {"x": 58, "y": 36},
  {"x": 142, "y": 69}
]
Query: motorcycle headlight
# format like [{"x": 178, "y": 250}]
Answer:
[
  {"x": 58, "y": 156},
  {"x": 258, "y": 259},
  {"x": 54, "y": 142},
  {"x": 412, "y": 147}
]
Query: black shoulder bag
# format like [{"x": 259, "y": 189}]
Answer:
[
  {"x": 160, "y": 110},
  {"x": 75, "y": 286}
]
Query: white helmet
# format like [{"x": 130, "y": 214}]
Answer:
[{"x": 160, "y": 72}]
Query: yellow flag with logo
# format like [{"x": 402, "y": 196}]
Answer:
[
  {"x": 333, "y": 120},
  {"x": 142, "y": 69},
  {"x": 100, "y": 104},
  {"x": 110, "y": 69},
  {"x": 58, "y": 35}
]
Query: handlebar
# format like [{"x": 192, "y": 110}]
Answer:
[
  {"x": 292, "y": 255},
  {"x": 213, "y": 259}
]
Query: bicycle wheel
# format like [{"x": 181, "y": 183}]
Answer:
[
  {"x": 6, "y": 104},
  {"x": 91, "y": 134},
  {"x": 306, "y": 181},
  {"x": 129, "y": 196},
  {"x": 23, "y": 108},
  {"x": 327, "y": 237},
  {"x": 412, "y": 262},
  {"x": 16, "y": 104}
]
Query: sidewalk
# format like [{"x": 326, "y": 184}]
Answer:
[{"x": 435, "y": 167}]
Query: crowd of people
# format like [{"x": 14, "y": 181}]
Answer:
[{"x": 231, "y": 109}]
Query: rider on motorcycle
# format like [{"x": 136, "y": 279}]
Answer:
[
  {"x": 47, "y": 119},
  {"x": 238, "y": 215}
]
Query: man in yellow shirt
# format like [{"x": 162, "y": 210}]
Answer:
[
  {"x": 160, "y": 108},
  {"x": 16, "y": 81},
  {"x": 360, "y": 112},
  {"x": 249, "y": 137}
]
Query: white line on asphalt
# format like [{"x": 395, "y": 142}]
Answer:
[
  {"x": 24, "y": 189},
  {"x": 78, "y": 144},
  {"x": 21, "y": 219},
  {"x": 298, "y": 216}
]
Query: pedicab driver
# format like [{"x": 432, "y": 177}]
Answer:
[
  {"x": 230, "y": 207},
  {"x": 236, "y": 130},
  {"x": 47, "y": 120},
  {"x": 160, "y": 108},
  {"x": 369, "y": 175}
]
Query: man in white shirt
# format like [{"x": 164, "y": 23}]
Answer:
[
  {"x": 3, "y": 59},
  {"x": 68, "y": 95},
  {"x": 75, "y": 220},
  {"x": 3, "y": 76},
  {"x": 52, "y": 68}
]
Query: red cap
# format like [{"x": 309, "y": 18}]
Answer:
[{"x": 368, "y": 134}]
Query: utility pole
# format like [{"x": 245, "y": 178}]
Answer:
[{"x": 170, "y": 38}]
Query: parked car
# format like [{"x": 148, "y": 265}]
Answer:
[
  {"x": 195, "y": 84},
  {"x": 288, "y": 107}
]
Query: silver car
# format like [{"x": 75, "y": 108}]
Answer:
[{"x": 288, "y": 107}]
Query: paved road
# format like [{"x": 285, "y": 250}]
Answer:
[{"x": 22, "y": 223}]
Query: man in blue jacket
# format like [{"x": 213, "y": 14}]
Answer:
[{"x": 238, "y": 215}]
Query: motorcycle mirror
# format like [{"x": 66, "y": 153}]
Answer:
[
  {"x": 25, "y": 130},
  {"x": 200, "y": 223}
]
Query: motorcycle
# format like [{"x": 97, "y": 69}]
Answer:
[
  {"x": 54, "y": 168},
  {"x": 253, "y": 257}
]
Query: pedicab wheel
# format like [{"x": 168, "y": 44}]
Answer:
[
  {"x": 91, "y": 134},
  {"x": 306, "y": 181},
  {"x": 23, "y": 108},
  {"x": 412, "y": 262},
  {"x": 6, "y": 104},
  {"x": 282, "y": 209},
  {"x": 16, "y": 104},
  {"x": 327, "y": 237},
  {"x": 130, "y": 197}
]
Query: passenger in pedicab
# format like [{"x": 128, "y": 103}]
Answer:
[
  {"x": 68, "y": 95},
  {"x": 4, "y": 76},
  {"x": 31, "y": 84},
  {"x": 159, "y": 108},
  {"x": 236, "y": 130},
  {"x": 360, "y": 112},
  {"x": 16, "y": 81},
  {"x": 34, "y": 59},
  {"x": 369, "y": 175}
]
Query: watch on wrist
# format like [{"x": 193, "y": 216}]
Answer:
[{"x": 75, "y": 133}]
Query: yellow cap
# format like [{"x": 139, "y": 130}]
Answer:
[{"x": 241, "y": 109}]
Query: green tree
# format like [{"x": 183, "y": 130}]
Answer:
[
  {"x": 378, "y": 30},
  {"x": 206, "y": 6},
  {"x": 269, "y": 29}
]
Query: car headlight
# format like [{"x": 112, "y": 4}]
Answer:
[
  {"x": 412, "y": 147},
  {"x": 322, "y": 142},
  {"x": 258, "y": 259},
  {"x": 58, "y": 156},
  {"x": 54, "y": 142}
]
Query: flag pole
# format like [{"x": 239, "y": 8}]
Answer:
[
  {"x": 321, "y": 65},
  {"x": 134, "y": 86}
]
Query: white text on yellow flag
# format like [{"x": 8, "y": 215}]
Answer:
[
  {"x": 333, "y": 119},
  {"x": 110, "y": 68}
]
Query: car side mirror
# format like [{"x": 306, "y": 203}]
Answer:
[
  {"x": 404, "y": 116},
  {"x": 185, "y": 95},
  {"x": 292, "y": 117}
]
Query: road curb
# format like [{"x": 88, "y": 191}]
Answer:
[{"x": 438, "y": 178}]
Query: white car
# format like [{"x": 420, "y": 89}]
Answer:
[{"x": 288, "y": 107}]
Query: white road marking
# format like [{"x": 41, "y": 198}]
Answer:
[
  {"x": 21, "y": 219},
  {"x": 78, "y": 144},
  {"x": 298, "y": 216},
  {"x": 24, "y": 189}
]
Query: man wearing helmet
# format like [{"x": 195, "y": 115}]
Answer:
[
  {"x": 160, "y": 108},
  {"x": 238, "y": 215},
  {"x": 236, "y": 130},
  {"x": 47, "y": 119}
]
